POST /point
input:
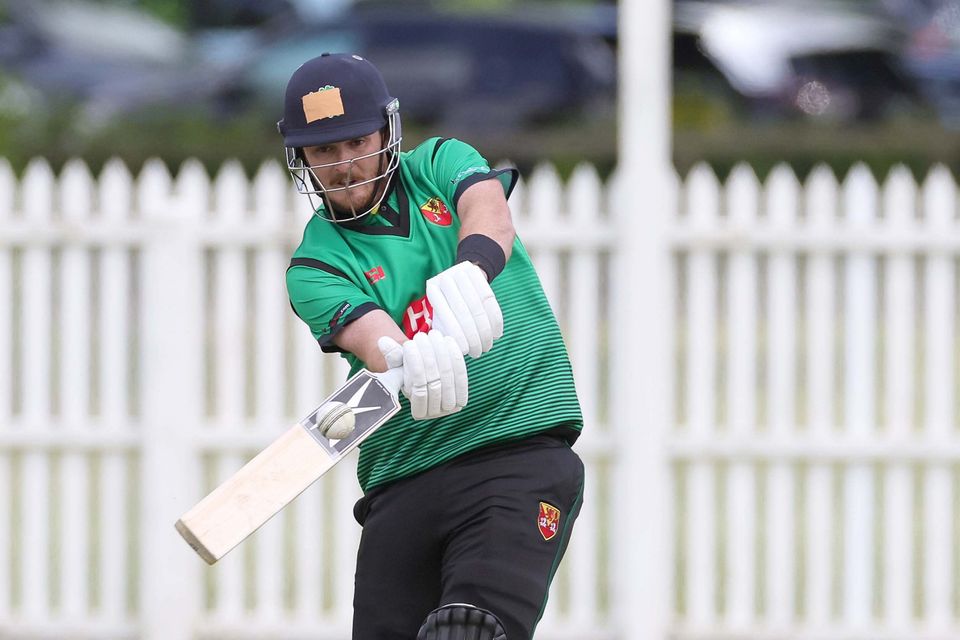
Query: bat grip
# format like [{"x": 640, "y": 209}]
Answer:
[{"x": 392, "y": 379}]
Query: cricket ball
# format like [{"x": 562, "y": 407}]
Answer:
[{"x": 337, "y": 422}]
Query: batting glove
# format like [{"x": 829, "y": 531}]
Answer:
[
  {"x": 434, "y": 373},
  {"x": 465, "y": 308}
]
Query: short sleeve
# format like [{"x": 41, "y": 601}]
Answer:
[
  {"x": 456, "y": 166},
  {"x": 326, "y": 300}
]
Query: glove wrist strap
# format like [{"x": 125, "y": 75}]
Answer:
[{"x": 485, "y": 252}]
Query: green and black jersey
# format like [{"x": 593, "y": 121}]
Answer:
[{"x": 522, "y": 386}]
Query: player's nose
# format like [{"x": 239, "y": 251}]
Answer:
[{"x": 344, "y": 175}]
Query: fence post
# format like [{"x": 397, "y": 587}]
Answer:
[
  {"x": 171, "y": 385},
  {"x": 7, "y": 187},
  {"x": 37, "y": 268},
  {"x": 640, "y": 322}
]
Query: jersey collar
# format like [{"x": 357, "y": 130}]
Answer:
[{"x": 399, "y": 220}]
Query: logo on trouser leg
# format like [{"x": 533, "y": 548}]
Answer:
[{"x": 548, "y": 521}]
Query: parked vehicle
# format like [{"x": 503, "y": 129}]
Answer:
[
  {"x": 932, "y": 55},
  {"x": 465, "y": 71},
  {"x": 104, "y": 61},
  {"x": 823, "y": 58}
]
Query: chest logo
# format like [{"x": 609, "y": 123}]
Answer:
[
  {"x": 436, "y": 212},
  {"x": 548, "y": 521},
  {"x": 375, "y": 275},
  {"x": 418, "y": 317}
]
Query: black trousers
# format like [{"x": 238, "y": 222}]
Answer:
[{"x": 488, "y": 528}]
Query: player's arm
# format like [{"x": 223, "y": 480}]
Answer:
[
  {"x": 483, "y": 210},
  {"x": 360, "y": 338}
]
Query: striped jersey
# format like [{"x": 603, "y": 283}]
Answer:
[{"x": 523, "y": 385}]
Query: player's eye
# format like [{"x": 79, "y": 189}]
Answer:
[{"x": 358, "y": 142}]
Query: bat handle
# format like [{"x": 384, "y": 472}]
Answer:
[{"x": 392, "y": 379}]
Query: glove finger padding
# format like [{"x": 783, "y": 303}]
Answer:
[
  {"x": 444, "y": 319},
  {"x": 459, "y": 366},
  {"x": 491, "y": 308},
  {"x": 465, "y": 285},
  {"x": 450, "y": 303},
  {"x": 435, "y": 380},
  {"x": 448, "y": 392},
  {"x": 415, "y": 379}
]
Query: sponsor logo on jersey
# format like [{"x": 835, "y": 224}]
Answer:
[
  {"x": 436, "y": 212},
  {"x": 418, "y": 317},
  {"x": 375, "y": 275},
  {"x": 548, "y": 521},
  {"x": 339, "y": 313},
  {"x": 466, "y": 172}
]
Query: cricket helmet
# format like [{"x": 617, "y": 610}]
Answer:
[{"x": 331, "y": 98}]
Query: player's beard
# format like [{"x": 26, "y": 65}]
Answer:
[
  {"x": 341, "y": 212},
  {"x": 341, "y": 201}
]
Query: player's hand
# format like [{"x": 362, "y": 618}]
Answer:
[
  {"x": 434, "y": 373},
  {"x": 465, "y": 308}
]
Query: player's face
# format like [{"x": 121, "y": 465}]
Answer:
[{"x": 344, "y": 173}]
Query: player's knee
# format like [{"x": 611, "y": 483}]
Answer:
[{"x": 461, "y": 622}]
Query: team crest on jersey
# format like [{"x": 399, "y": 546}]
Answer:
[
  {"x": 548, "y": 521},
  {"x": 436, "y": 212},
  {"x": 418, "y": 317}
]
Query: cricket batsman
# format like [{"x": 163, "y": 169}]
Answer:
[{"x": 411, "y": 262}]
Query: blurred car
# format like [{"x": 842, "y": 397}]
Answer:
[
  {"x": 932, "y": 55},
  {"x": 103, "y": 61},
  {"x": 821, "y": 58},
  {"x": 467, "y": 72}
]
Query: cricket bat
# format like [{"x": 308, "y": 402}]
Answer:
[{"x": 290, "y": 464}]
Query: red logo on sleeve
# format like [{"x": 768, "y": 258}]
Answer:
[
  {"x": 418, "y": 317},
  {"x": 436, "y": 212}
]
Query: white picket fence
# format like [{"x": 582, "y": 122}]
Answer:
[{"x": 810, "y": 448}]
